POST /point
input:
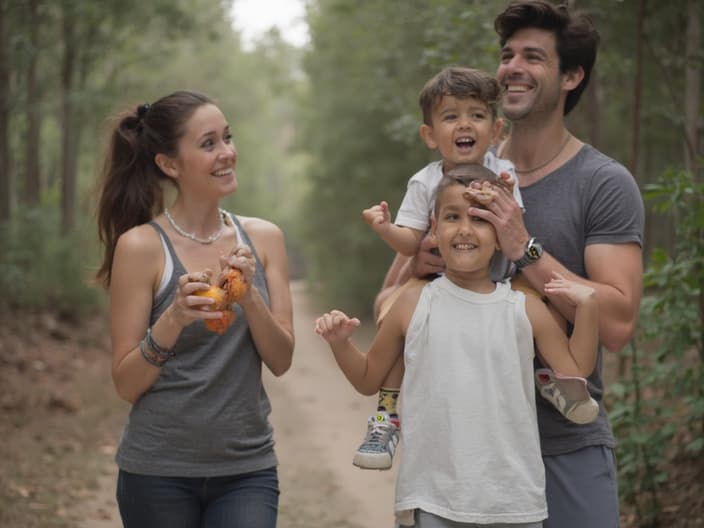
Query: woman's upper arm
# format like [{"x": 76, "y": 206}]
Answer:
[
  {"x": 269, "y": 243},
  {"x": 136, "y": 265}
]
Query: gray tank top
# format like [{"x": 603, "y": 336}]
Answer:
[{"x": 207, "y": 413}]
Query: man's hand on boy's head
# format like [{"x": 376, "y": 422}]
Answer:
[
  {"x": 335, "y": 326},
  {"x": 504, "y": 180},
  {"x": 505, "y": 215},
  {"x": 482, "y": 193},
  {"x": 378, "y": 217},
  {"x": 427, "y": 261},
  {"x": 507, "y": 181}
]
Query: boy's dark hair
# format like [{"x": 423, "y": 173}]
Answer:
[
  {"x": 464, "y": 175},
  {"x": 576, "y": 39},
  {"x": 462, "y": 83}
]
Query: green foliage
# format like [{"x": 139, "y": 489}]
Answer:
[
  {"x": 132, "y": 52},
  {"x": 39, "y": 269},
  {"x": 659, "y": 408}
]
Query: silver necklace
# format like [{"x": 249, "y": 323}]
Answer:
[
  {"x": 183, "y": 232},
  {"x": 562, "y": 147}
]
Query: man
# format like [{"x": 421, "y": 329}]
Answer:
[{"x": 583, "y": 218}]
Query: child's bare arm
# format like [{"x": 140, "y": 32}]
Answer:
[
  {"x": 575, "y": 356},
  {"x": 404, "y": 240},
  {"x": 585, "y": 335},
  {"x": 365, "y": 372}
]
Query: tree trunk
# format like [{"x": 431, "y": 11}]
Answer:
[
  {"x": 31, "y": 188},
  {"x": 635, "y": 126},
  {"x": 692, "y": 89},
  {"x": 637, "y": 91},
  {"x": 68, "y": 165},
  {"x": 5, "y": 165},
  {"x": 594, "y": 103}
]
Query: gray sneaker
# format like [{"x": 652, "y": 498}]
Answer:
[
  {"x": 377, "y": 450},
  {"x": 568, "y": 394}
]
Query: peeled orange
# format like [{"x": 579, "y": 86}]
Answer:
[{"x": 219, "y": 296}]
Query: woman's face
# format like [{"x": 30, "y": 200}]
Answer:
[{"x": 206, "y": 154}]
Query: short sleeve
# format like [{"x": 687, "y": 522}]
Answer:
[{"x": 614, "y": 210}]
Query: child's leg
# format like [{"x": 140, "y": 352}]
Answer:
[
  {"x": 569, "y": 394},
  {"x": 378, "y": 448},
  {"x": 388, "y": 395}
]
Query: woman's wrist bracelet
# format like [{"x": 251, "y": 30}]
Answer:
[
  {"x": 152, "y": 352},
  {"x": 161, "y": 351}
]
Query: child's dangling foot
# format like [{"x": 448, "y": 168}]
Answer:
[
  {"x": 568, "y": 394},
  {"x": 378, "y": 448}
]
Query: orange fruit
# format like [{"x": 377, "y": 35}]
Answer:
[
  {"x": 219, "y": 296},
  {"x": 234, "y": 285},
  {"x": 221, "y": 324}
]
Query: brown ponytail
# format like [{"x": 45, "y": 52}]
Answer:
[{"x": 131, "y": 193}]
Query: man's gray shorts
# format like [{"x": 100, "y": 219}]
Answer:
[{"x": 582, "y": 489}]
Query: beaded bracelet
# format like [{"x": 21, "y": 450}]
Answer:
[
  {"x": 161, "y": 351},
  {"x": 152, "y": 352}
]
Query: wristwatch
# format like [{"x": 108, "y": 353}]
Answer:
[{"x": 533, "y": 251}]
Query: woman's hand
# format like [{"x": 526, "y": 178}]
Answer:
[
  {"x": 187, "y": 306},
  {"x": 242, "y": 259}
]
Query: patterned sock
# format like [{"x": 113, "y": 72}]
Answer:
[{"x": 387, "y": 403}]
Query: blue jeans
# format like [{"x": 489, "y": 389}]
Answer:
[{"x": 238, "y": 501}]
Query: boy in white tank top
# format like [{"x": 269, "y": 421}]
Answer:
[{"x": 468, "y": 373}]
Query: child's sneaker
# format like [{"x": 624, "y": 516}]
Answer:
[
  {"x": 377, "y": 450},
  {"x": 568, "y": 394}
]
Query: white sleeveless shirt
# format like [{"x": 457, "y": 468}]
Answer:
[{"x": 470, "y": 447}]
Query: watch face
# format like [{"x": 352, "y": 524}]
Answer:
[{"x": 534, "y": 252}]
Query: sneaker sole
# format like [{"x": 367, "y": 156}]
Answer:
[
  {"x": 371, "y": 461},
  {"x": 583, "y": 413}
]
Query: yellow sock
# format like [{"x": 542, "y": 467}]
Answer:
[{"x": 387, "y": 401}]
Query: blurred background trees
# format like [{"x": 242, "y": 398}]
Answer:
[{"x": 326, "y": 130}]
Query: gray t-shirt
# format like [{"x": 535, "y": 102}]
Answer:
[
  {"x": 207, "y": 413},
  {"x": 591, "y": 199}
]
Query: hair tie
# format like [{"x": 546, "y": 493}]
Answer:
[{"x": 142, "y": 110}]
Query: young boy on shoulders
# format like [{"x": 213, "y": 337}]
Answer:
[{"x": 471, "y": 448}]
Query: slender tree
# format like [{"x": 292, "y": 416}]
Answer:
[
  {"x": 692, "y": 87},
  {"x": 5, "y": 97},
  {"x": 31, "y": 187}
]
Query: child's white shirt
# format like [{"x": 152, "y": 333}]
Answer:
[
  {"x": 470, "y": 447},
  {"x": 419, "y": 200}
]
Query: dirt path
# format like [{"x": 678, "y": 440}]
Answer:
[{"x": 318, "y": 422}]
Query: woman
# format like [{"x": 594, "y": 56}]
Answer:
[{"x": 197, "y": 449}]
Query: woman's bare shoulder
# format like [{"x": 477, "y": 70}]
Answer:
[
  {"x": 257, "y": 226},
  {"x": 140, "y": 240}
]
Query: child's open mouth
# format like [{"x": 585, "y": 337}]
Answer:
[{"x": 465, "y": 143}]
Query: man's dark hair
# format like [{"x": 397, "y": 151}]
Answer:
[{"x": 576, "y": 39}]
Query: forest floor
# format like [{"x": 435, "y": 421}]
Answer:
[{"x": 60, "y": 421}]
